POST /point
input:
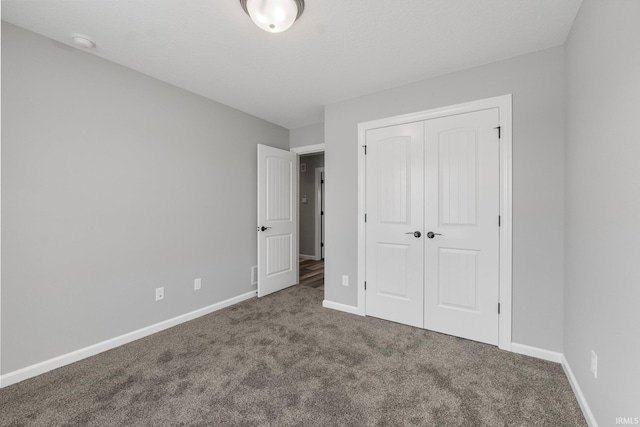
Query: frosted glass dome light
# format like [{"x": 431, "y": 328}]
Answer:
[{"x": 274, "y": 16}]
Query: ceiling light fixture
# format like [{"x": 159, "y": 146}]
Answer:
[
  {"x": 274, "y": 16},
  {"x": 82, "y": 41}
]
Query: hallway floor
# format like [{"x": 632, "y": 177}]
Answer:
[{"x": 312, "y": 273}]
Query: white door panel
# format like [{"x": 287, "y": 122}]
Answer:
[
  {"x": 439, "y": 176},
  {"x": 395, "y": 208},
  {"x": 462, "y": 204},
  {"x": 277, "y": 187}
]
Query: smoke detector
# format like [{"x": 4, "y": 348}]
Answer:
[{"x": 82, "y": 41}]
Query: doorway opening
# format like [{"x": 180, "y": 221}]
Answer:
[
  {"x": 310, "y": 220},
  {"x": 311, "y": 214}
]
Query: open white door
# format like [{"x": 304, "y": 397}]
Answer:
[{"x": 277, "y": 224}]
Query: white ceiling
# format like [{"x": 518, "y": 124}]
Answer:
[{"x": 338, "y": 49}]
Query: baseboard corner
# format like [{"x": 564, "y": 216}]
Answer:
[
  {"x": 342, "y": 307},
  {"x": 577, "y": 391}
]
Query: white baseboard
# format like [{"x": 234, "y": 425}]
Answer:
[
  {"x": 74, "y": 356},
  {"x": 586, "y": 410},
  {"x": 341, "y": 307},
  {"x": 553, "y": 356},
  {"x": 540, "y": 353},
  {"x": 307, "y": 256}
]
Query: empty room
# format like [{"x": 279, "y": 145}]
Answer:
[{"x": 320, "y": 213}]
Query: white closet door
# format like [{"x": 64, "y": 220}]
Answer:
[
  {"x": 394, "y": 259},
  {"x": 277, "y": 230},
  {"x": 462, "y": 206}
]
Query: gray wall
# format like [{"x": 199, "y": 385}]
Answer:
[
  {"x": 602, "y": 287},
  {"x": 113, "y": 184},
  {"x": 537, "y": 84},
  {"x": 307, "y": 135},
  {"x": 308, "y": 210}
]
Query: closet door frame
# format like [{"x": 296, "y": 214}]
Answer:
[{"x": 503, "y": 103}]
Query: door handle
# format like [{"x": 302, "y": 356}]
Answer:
[
  {"x": 416, "y": 234},
  {"x": 263, "y": 228},
  {"x": 431, "y": 234}
]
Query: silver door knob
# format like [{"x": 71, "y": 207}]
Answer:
[
  {"x": 431, "y": 234},
  {"x": 416, "y": 234}
]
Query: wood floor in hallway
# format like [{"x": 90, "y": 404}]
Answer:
[{"x": 312, "y": 273}]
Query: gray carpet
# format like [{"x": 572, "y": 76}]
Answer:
[{"x": 284, "y": 360}]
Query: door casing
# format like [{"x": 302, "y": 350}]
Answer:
[
  {"x": 504, "y": 105},
  {"x": 319, "y": 213}
]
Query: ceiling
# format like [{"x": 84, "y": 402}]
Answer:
[{"x": 338, "y": 49}]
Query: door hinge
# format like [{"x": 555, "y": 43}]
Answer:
[
  {"x": 322, "y": 245},
  {"x": 499, "y": 131},
  {"x": 321, "y": 212},
  {"x": 365, "y": 285},
  {"x": 365, "y": 149},
  {"x": 322, "y": 181},
  {"x": 365, "y": 217},
  {"x": 498, "y": 308},
  {"x": 499, "y": 221}
]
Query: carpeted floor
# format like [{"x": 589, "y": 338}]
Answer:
[{"x": 283, "y": 360}]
